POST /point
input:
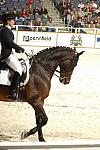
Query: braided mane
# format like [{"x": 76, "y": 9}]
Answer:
[{"x": 44, "y": 53}]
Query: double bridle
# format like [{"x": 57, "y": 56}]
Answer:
[
  {"x": 69, "y": 68},
  {"x": 47, "y": 67}
]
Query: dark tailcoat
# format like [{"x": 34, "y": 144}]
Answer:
[{"x": 7, "y": 43}]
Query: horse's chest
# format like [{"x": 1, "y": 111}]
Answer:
[{"x": 43, "y": 85}]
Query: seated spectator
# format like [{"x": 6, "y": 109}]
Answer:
[
  {"x": 50, "y": 27},
  {"x": 41, "y": 11},
  {"x": 61, "y": 8},
  {"x": 91, "y": 24},
  {"x": 15, "y": 13},
  {"x": 81, "y": 5},
  {"x": 37, "y": 22},
  {"x": 45, "y": 19},
  {"x": 87, "y": 12},
  {"x": 33, "y": 5},
  {"x": 66, "y": 16},
  {"x": 97, "y": 22},
  {"x": 45, "y": 11},
  {"x": 88, "y": 7},
  {"x": 97, "y": 11},
  {"x": 30, "y": 2},
  {"x": 36, "y": 13},
  {"x": 80, "y": 22},
  {"x": 94, "y": 7},
  {"x": 68, "y": 4},
  {"x": 69, "y": 18},
  {"x": 2, "y": 2},
  {"x": 81, "y": 13},
  {"x": 24, "y": 15}
]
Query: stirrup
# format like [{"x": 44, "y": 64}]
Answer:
[{"x": 13, "y": 95}]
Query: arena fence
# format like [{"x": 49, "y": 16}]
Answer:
[{"x": 41, "y": 36}]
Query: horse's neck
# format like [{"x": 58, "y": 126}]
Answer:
[
  {"x": 49, "y": 66},
  {"x": 49, "y": 60}
]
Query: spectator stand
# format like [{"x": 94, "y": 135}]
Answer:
[{"x": 72, "y": 12}]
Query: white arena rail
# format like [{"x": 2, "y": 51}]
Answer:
[
  {"x": 68, "y": 145},
  {"x": 56, "y": 29}
]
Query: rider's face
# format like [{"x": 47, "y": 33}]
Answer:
[{"x": 10, "y": 22}]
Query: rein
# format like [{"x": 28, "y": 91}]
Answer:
[
  {"x": 45, "y": 66},
  {"x": 49, "y": 69}
]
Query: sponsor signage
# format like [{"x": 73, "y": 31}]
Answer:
[
  {"x": 49, "y": 39},
  {"x": 76, "y": 40},
  {"x": 97, "y": 43},
  {"x": 37, "y": 38}
]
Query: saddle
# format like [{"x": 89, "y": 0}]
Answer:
[{"x": 6, "y": 73}]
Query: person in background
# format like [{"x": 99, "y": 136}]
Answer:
[
  {"x": 24, "y": 15},
  {"x": 8, "y": 54},
  {"x": 30, "y": 2},
  {"x": 81, "y": 5},
  {"x": 15, "y": 13},
  {"x": 2, "y": 2}
]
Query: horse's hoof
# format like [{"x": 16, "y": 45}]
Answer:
[
  {"x": 24, "y": 135},
  {"x": 42, "y": 140}
]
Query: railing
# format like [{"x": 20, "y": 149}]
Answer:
[{"x": 57, "y": 29}]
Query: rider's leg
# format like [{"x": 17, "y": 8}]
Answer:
[
  {"x": 14, "y": 86},
  {"x": 14, "y": 63}
]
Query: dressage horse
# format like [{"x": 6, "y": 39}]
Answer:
[{"x": 43, "y": 66}]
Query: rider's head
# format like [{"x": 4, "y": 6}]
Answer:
[{"x": 8, "y": 19}]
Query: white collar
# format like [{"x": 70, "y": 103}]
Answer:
[{"x": 8, "y": 27}]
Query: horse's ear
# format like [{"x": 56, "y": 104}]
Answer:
[{"x": 80, "y": 53}]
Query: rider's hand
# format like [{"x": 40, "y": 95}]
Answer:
[{"x": 22, "y": 50}]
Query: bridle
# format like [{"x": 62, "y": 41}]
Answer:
[
  {"x": 47, "y": 67},
  {"x": 70, "y": 67}
]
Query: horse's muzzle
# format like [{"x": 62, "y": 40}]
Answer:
[{"x": 64, "y": 80}]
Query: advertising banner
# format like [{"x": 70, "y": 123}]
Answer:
[
  {"x": 97, "y": 41},
  {"x": 37, "y": 38},
  {"x": 76, "y": 40}
]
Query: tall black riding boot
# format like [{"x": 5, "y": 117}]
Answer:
[{"x": 14, "y": 86}]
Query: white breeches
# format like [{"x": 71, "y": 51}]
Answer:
[{"x": 13, "y": 62}]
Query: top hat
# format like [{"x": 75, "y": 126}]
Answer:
[{"x": 7, "y": 16}]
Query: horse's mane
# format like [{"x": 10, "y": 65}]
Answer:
[{"x": 44, "y": 53}]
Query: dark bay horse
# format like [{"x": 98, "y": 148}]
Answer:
[{"x": 43, "y": 66}]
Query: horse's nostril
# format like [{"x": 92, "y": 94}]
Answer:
[{"x": 64, "y": 80}]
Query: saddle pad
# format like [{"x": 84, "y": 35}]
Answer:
[{"x": 5, "y": 75}]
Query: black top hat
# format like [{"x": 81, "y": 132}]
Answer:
[{"x": 7, "y": 16}]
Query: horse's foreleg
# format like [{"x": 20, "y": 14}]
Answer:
[
  {"x": 38, "y": 128},
  {"x": 41, "y": 121},
  {"x": 40, "y": 133}
]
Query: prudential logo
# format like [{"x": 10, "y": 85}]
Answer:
[{"x": 35, "y": 38}]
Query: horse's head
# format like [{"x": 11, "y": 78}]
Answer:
[{"x": 67, "y": 66}]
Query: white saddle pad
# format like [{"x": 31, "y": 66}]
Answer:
[{"x": 5, "y": 76}]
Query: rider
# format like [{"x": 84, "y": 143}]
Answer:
[{"x": 8, "y": 54}]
